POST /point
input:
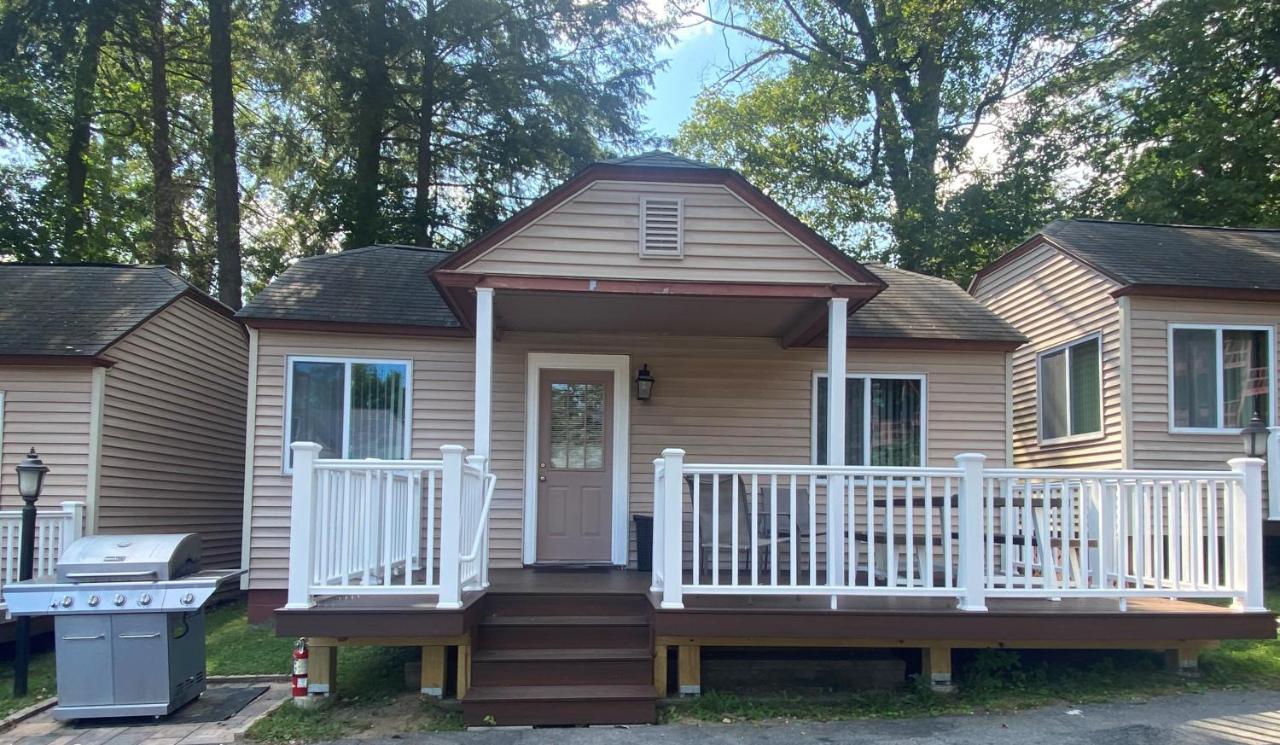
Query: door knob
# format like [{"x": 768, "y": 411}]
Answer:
[{"x": 542, "y": 478}]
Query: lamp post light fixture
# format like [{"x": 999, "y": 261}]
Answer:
[
  {"x": 1255, "y": 437},
  {"x": 31, "y": 473},
  {"x": 644, "y": 383}
]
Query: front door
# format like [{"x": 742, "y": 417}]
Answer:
[{"x": 575, "y": 466}]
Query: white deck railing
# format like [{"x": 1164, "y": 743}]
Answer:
[
  {"x": 966, "y": 532},
  {"x": 55, "y": 530},
  {"x": 369, "y": 527}
]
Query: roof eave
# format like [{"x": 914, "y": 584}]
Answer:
[
  {"x": 55, "y": 360},
  {"x": 1196, "y": 292},
  {"x": 380, "y": 329}
]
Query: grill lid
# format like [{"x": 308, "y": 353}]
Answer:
[{"x": 130, "y": 558}]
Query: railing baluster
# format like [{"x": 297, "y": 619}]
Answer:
[
  {"x": 813, "y": 531},
  {"x": 950, "y": 500},
  {"x": 773, "y": 529},
  {"x": 695, "y": 497},
  {"x": 909, "y": 544},
  {"x": 733, "y": 536},
  {"x": 754, "y": 535},
  {"x": 928, "y": 531},
  {"x": 795, "y": 535},
  {"x": 715, "y": 528}
]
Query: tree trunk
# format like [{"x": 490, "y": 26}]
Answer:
[
  {"x": 424, "y": 217},
  {"x": 366, "y": 203},
  {"x": 226, "y": 184},
  {"x": 164, "y": 242},
  {"x": 76, "y": 165}
]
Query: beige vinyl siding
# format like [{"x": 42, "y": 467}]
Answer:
[
  {"x": 443, "y": 396},
  {"x": 1053, "y": 299},
  {"x": 173, "y": 430},
  {"x": 46, "y": 408},
  {"x": 723, "y": 400},
  {"x": 1153, "y": 445},
  {"x": 596, "y": 234}
]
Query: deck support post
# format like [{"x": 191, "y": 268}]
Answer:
[
  {"x": 432, "y": 674},
  {"x": 304, "y": 457},
  {"x": 322, "y": 676},
  {"x": 837, "y": 369},
  {"x": 971, "y": 548},
  {"x": 464, "y": 670},
  {"x": 660, "y": 669},
  {"x": 936, "y": 667},
  {"x": 689, "y": 672},
  {"x": 1184, "y": 659},
  {"x": 673, "y": 528},
  {"x": 1249, "y": 550},
  {"x": 450, "y": 527}
]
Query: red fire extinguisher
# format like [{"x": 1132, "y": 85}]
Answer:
[{"x": 300, "y": 656}]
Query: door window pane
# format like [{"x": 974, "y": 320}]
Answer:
[
  {"x": 316, "y": 406},
  {"x": 577, "y": 425},
  {"x": 1085, "y": 388},
  {"x": 1053, "y": 395},
  {"x": 1195, "y": 378},
  {"x": 377, "y": 411}
]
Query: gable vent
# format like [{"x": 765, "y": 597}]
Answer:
[{"x": 662, "y": 227}]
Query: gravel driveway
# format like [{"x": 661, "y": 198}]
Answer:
[{"x": 1218, "y": 717}]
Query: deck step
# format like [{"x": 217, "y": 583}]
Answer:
[
  {"x": 550, "y": 667},
  {"x": 579, "y": 621},
  {"x": 553, "y": 604},
  {"x": 559, "y": 705}
]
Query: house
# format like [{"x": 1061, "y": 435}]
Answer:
[
  {"x": 450, "y": 450},
  {"x": 130, "y": 384},
  {"x": 1150, "y": 346}
]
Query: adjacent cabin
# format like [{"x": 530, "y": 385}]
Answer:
[
  {"x": 130, "y": 385},
  {"x": 1150, "y": 346},
  {"x": 603, "y": 437}
]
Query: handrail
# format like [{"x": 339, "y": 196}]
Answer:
[{"x": 490, "y": 481}]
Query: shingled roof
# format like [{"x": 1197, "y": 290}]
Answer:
[
  {"x": 388, "y": 286},
  {"x": 917, "y": 306},
  {"x": 79, "y": 310},
  {"x": 381, "y": 285},
  {"x": 1143, "y": 255},
  {"x": 658, "y": 159}
]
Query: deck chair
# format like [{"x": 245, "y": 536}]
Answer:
[{"x": 719, "y": 537}]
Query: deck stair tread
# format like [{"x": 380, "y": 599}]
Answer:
[
  {"x": 480, "y": 694},
  {"x": 558, "y": 655},
  {"x": 587, "y": 621}
]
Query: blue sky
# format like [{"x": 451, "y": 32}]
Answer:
[{"x": 697, "y": 58}]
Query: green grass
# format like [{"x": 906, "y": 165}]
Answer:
[
  {"x": 40, "y": 683},
  {"x": 235, "y": 647},
  {"x": 371, "y": 699}
]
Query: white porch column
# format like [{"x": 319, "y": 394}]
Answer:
[
  {"x": 673, "y": 528},
  {"x": 971, "y": 547},
  {"x": 300, "y": 527},
  {"x": 837, "y": 341},
  {"x": 450, "y": 526},
  {"x": 484, "y": 370}
]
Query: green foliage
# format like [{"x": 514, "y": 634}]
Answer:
[
  {"x": 41, "y": 683},
  {"x": 235, "y": 647}
]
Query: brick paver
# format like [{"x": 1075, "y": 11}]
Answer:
[{"x": 43, "y": 729}]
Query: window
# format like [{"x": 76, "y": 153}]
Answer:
[
  {"x": 1218, "y": 377},
  {"x": 353, "y": 408},
  {"x": 884, "y": 420},
  {"x": 661, "y": 227},
  {"x": 1070, "y": 387}
]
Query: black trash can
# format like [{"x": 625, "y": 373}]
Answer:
[{"x": 644, "y": 542}]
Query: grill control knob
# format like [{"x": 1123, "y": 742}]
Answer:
[
  {"x": 144, "y": 599},
  {"x": 188, "y": 599},
  {"x": 118, "y": 599},
  {"x": 93, "y": 601},
  {"x": 67, "y": 601}
]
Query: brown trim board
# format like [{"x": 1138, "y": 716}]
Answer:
[
  {"x": 1004, "y": 626},
  {"x": 374, "y": 621},
  {"x": 587, "y": 285},
  {"x": 55, "y": 360},
  {"x": 1253, "y": 294},
  {"x": 338, "y": 327}
]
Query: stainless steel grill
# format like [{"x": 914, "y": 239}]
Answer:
[{"x": 129, "y": 623}]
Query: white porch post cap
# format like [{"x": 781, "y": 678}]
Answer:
[
  {"x": 671, "y": 452},
  {"x": 967, "y": 457},
  {"x": 303, "y": 446}
]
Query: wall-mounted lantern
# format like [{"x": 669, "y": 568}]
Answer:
[{"x": 644, "y": 384}]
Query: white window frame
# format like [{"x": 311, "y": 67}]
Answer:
[
  {"x": 644, "y": 216},
  {"x": 346, "y": 399},
  {"x": 1219, "y": 328},
  {"x": 1040, "y": 409},
  {"x": 866, "y": 411}
]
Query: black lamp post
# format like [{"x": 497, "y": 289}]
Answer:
[
  {"x": 1255, "y": 437},
  {"x": 31, "y": 473},
  {"x": 644, "y": 383}
]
